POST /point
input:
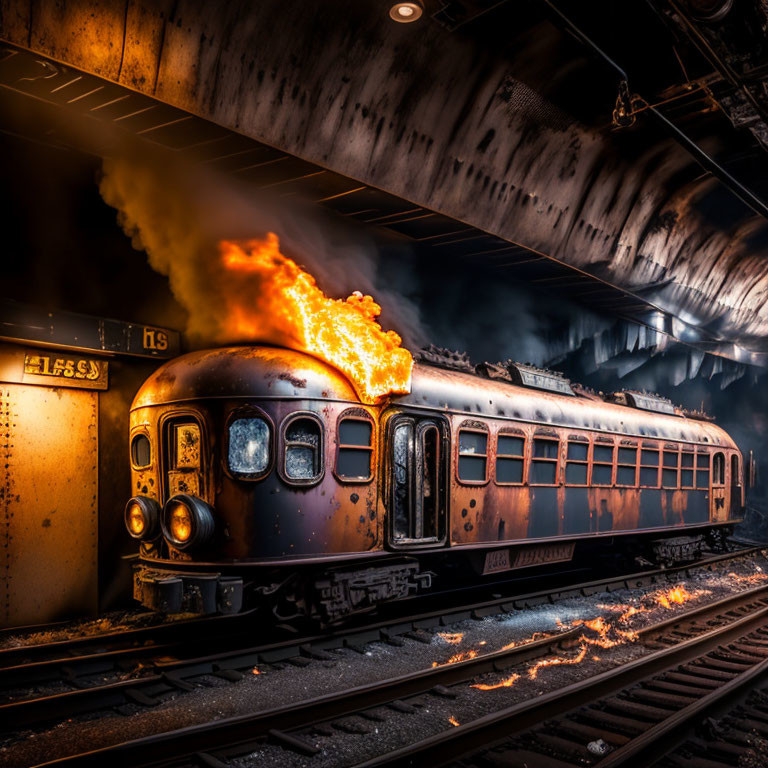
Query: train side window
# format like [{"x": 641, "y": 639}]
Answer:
[
  {"x": 626, "y": 471},
  {"x": 141, "y": 452},
  {"x": 303, "y": 446},
  {"x": 544, "y": 461},
  {"x": 702, "y": 470},
  {"x": 649, "y": 468},
  {"x": 718, "y": 469},
  {"x": 510, "y": 459},
  {"x": 686, "y": 469},
  {"x": 670, "y": 464},
  {"x": 355, "y": 448},
  {"x": 249, "y": 449},
  {"x": 576, "y": 464},
  {"x": 602, "y": 464},
  {"x": 473, "y": 456}
]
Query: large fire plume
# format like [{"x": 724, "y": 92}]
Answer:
[
  {"x": 242, "y": 290},
  {"x": 343, "y": 333}
]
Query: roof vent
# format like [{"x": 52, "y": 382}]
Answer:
[
  {"x": 493, "y": 371},
  {"x": 645, "y": 401},
  {"x": 537, "y": 378},
  {"x": 445, "y": 358}
]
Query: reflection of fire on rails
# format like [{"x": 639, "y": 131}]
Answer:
[{"x": 336, "y": 474}]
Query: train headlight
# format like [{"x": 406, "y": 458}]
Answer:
[
  {"x": 187, "y": 521},
  {"x": 142, "y": 516},
  {"x": 180, "y": 523}
]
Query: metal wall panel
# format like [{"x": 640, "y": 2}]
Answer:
[{"x": 48, "y": 503}]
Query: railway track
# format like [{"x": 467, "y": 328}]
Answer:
[
  {"x": 96, "y": 678},
  {"x": 292, "y": 726}
]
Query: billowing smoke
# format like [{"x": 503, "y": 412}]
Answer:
[{"x": 179, "y": 214}]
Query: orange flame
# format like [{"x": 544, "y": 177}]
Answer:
[
  {"x": 255, "y": 671},
  {"x": 344, "y": 334},
  {"x": 453, "y": 638},
  {"x": 677, "y": 595},
  {"x": 453, "y": 721}
]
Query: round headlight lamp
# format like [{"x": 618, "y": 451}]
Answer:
[
  {"x": 142, "y": 517},
  {"x": 187, "y": 521}
]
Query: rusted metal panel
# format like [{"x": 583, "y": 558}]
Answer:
[{"x": 48, "y": 502}]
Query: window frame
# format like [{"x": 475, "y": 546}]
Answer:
[
  {"x": 665, "y": 449},
  {"x": 141, "y": 432},
  {"x": 602, "y": 443},
  {"x": 579, "y": 440},
  {"x": 478, "y": 428},
  {"x": 701, "y": 451},
  {"x": 715, "y": 482},
  {"x": 655, "y": 448},
  {"x": 622, "y": 465},
  {"x": 249, "y": 412},
  {"x": 508, "y": 432},
  {"x": 354, "y": 414},
  {"x": 282, "y": 469},
  {"x": 686, "y": 450},
  {"x": 557, "y": 439}
]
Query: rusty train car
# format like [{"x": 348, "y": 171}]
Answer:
[{"x": 261, "y": 479}]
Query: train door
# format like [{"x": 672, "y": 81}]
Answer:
[
  {"x": 736, "y": 486},
  {"x": 718, "y": 494},
  {"x": 417, "y": 507}
]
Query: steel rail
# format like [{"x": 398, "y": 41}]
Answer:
[
  {"x": 448, "y": 746},
  {"x": 241, "y": 734},
  {"x": 167, "y": 676}
]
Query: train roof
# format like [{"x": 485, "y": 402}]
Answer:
[
  {"x": 273, "y": 372},
  {"x": 244, "y": 372}
]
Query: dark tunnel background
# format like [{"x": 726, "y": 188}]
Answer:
[{"x": 64, "y": 249}]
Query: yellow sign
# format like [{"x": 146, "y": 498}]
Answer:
[{"x": 66, "y": 370}]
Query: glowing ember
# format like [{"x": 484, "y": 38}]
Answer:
[
  {"x": 255, "y": 671},
  {"x": 344, "y": 334},
  {"x": 752, "y": 578},
  {"x": 677, "y": 595},
  {"x": 506, "y": 683},
  {"x": 453, "y": 638},
  {"x": 550, "y": 662},
  {"x": 456, "y": 658},
  {"x": 453, "y": 721}
]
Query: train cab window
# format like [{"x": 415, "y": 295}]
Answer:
[
  {"x": 141, "y": 452},
  {"x": 718, "y": 469},
  {"x": 649, "y": 468},
  {"x": 702, "y": 470},
  {"x": 510, "y": 459},
  {"x": 576, "y": 464},
  {"x": 186, "y": 446},
  {"x": 355, "y": 451},
  {"x": 670, "y": 464},
  {"x": 626, "y": 469},
  {"x": 248, "y": 455},
  {"x": 302, "y": 438},
  {"x": 686, "y": 469},
  {"x": 544, "y": 461},
  {"x": 473, "y": 456},
  {"x": 602, "y": 464}
]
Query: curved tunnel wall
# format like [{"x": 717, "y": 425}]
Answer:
[{"x": 440, "y": 119}]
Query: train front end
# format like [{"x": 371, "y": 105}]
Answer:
[{"x": 246, "y": 463}]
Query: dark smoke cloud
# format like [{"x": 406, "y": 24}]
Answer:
[{"x": 178, "y": 214}]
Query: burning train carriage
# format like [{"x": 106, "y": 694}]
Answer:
[{"x": 257, "y": 470}]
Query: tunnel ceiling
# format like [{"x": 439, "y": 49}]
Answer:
[{"x": 613, "y": 152}]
